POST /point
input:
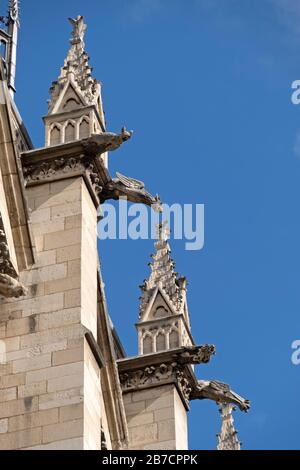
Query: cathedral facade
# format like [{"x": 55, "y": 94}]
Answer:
[{"x": 65, "y": 382}]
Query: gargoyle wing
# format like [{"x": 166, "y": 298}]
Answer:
[{"x": 130, "y": 182}]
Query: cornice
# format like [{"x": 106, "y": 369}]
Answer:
[{"x": 166, "y": 367}]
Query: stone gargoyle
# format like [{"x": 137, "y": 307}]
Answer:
[
  {"x": 131, "y": 189},
  {"x": 218, "y": 392},
  {"x": 11, "y": 287},
  {"x": 105, "y": 142}
]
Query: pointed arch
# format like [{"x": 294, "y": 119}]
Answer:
[
  {"x": 160, "y": 341},
  {"x": 84, "y": 128},
  {"x": 147, "y": 343},
  {"x": 55, "y": 134},
  {"x": 173, "y": 339},
  {"x": 69, "y": 131}
]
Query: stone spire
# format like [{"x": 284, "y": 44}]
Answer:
[
  {"x": 76, "y": 66},
  {"x": 228, "y": 439},
  {"x": 163, "y": 319},
  {"x": 75, "y": 108},
  {"x": 9, "y": 37},
  {"x": 163, "y": 272}
]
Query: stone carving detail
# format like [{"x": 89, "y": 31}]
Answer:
[
  {"x": 220, "y": 393},
  {"x": 46, "y": 170},
  {"x": 197, "y": 354},
  {"x": 228, "y": 439},
  {"x": 162, "y": 274},
  {"x": 10, "y": 287},
  {"x": 6, "y": 266},
  {"x": 152, "y": 375},
  {"x": 77, "y": 66},
  {"x": 106, "y": 141},
  {"x": 133, "y": 190}
]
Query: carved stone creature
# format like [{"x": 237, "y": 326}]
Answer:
[
  {"x": 79, "y": 28},
  {"x": 197, "y": 354},
  {"x": 10, "y": 287},
  {"x": 220, "y": 393},
  {"x": 106, "y": 142},
  {"x": 132, "y": 189}
]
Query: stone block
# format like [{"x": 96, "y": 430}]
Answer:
[
  {"x": 36, "y": 388},
  {"x": 3, "y": 425},
  {"x": 32, "y": 363},
  {"x": 72, "y": 298},
  {"x": 62, "y": 238},
  {"x": 135, "y": 408},
  {"x": 73, "y": 221},
  {"x": 12, "y": 380},
  {"x": 63, "y": 285},
  {"x": 7, "y": 394},
  {"x": 68, "y": 413},
  {"x": 18, "y": 407},
  {"x": 62, "y": 431},
  {"x": 143, "y": 434},
  {"x": 20, "y": 439},
  {"x": 166, "y": 430},
  {"x": 67, "y": 444},
  {"x": 140, "y": 419},
  {"x": 68, "y": 253},
  {"x": 61, "y": 398},
  {"x": 54, "y": 335},
  {"x": 52, "y": 372},
  {"x": 67, "y": 356},
  {"x": 47, "y": 303},
  {"x": 66, "y": 210},
  {"x": 48, "y": 321},
  {"x": 33, "y": 420},
  {"x": 64, "y": 383}
]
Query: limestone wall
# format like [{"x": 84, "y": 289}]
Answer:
[
  {"x": 156, "y": 419},
  {"x": 49, "y": 380}
]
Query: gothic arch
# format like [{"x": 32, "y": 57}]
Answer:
[
  {"x": 160, "y": 341},
  {"x": 69, "y": 131},
  {"x": 55, "y": 134},
  {"x": 84, "y": 127},
  {"x": 147, "y": 343}
]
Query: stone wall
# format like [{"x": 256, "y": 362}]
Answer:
[
  {"x": 49, "y": 380},
  {"x": 156, "y": 419}
]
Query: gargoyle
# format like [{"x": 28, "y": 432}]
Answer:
[
  {"x": 196, "y": 354},
  {"x": 105, "y": 142},
  {"x": 132, "y": 189},
  {"x": 218, "y": 392},
  {"x": 11, "y": 287}
]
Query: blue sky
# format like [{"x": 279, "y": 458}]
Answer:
[{"x": 206, "y": 86}]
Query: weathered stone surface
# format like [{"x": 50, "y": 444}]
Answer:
[
  {"x": 71, "y": 412},
  {"x": 33, "y": 389},
  {"x": 18, "y": 407},
  {"x": 32, "y": 420},
  {"x": 62, "y": 431},
  {"x": 3, "y": 425},
  {"x": 20, "y": 439},
  {"x": 8, "y": 394}
]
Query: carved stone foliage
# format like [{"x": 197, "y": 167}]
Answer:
[
  {"x": 155, "y": 375},
  {"x": 173, "y": 368},
  {"x": 9, "y": 285},
  {"x": 6, "y": 266},
  {"x": 60, "y": 166}
]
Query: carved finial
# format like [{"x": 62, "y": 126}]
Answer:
[
  {"x": 228, "y": 439},
  {"x": 13, "y": 10},
  {"x": 79, "y": 29},
  {"x": 163, "y": 231}
]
